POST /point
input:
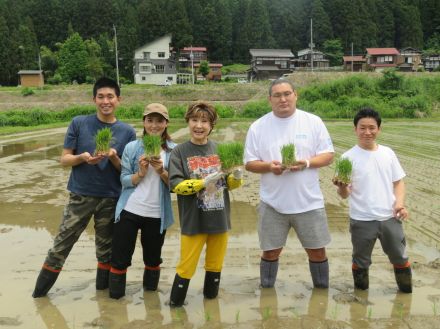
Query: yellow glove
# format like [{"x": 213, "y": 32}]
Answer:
[
  {"x": 235, "y": 179},
  {"x": 189, "y": 186}
]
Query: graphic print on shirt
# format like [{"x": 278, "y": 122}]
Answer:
[{"x": 211, "y": 197}]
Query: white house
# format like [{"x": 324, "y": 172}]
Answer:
[{"x": 154, "y": 63}]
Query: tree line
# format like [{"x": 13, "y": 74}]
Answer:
[{"x": 74, "y": 39}]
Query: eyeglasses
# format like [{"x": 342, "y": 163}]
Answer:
[{"x": 285, "y": 94}]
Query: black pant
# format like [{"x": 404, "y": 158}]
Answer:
[{"x": 124, "y": 240}]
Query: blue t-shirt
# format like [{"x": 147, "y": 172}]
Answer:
[{"x": 102, "y": 179}]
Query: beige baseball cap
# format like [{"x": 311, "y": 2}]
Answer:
[{"x": 157, "y": 108}]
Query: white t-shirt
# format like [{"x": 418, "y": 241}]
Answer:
[
  {"x": 145, "y": 199},
  {"x": 372, "y": 196},
  {"x": 291, "y": 192}
]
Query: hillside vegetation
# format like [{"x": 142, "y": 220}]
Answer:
[{"x": 329, "y": 95}]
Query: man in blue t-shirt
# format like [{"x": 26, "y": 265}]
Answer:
[{"x": 94, "y": 185}]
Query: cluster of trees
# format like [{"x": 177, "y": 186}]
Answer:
[{"x": 82, "y": 31}]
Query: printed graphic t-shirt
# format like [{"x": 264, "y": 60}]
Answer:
[{"x": 207, "y": 211}]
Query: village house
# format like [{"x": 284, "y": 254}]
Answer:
[
  {"x": 154, "y": 63},
  {"x": 270, "y": 63},
  {"x": 354, "y": 63},
  {"x": 378, "y": 59},
  {"x": 431, "y": 62},
  {"x": 409, "y": 59},
  {"x": 307, "y": 58},
  {"x": 31, "y": 78},
  {"x": 215, "y": 71},
  {"x": 198, "y": 54}
]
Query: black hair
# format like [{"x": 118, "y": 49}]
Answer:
[
  {"x": 367, "y": 113},
  {"x": 280, "y": 81},
  {"x": 106, "y": 82}
]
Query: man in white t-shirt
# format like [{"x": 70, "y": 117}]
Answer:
[
  {"x": 290, "y": 196},
  {"x": 376, "y": 199}
]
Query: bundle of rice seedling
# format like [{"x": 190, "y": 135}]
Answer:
[
  {"x": 102, "y": 140},
  {"x": 230, "y": 154},
  {"x": 152, "y": 146},
  {"x": 288, "y": 155},
  {"x": 343, "y": 170}
]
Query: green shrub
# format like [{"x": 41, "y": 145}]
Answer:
[
  {"x": 225, "y": 111},
  {"x": 56, "y": 79},
  {"x": 177, "y": 112},
  {"x": 26, "y": 91},
  {"x": 255, "y": 109},
  {"x": 131, "y": 112}
]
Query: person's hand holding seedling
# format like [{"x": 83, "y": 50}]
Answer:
[
  {"x": 157, "y": 164},
  {"x": 143, "y": 166},
  {"x": 289, "y": 161},
  {"x": 342, "y": 177},
  {"x": 103, "y": 139}
]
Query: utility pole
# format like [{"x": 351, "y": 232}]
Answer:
[
  {"x": 116, "y": 56},
  {"x": 191, "y": 56},
  {"x": 39, "y": 60},
  {"x": 352, "y": 57},
  {"x": 311, "y": 43}
]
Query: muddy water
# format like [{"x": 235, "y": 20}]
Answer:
[{"x": 32, "y": 186}]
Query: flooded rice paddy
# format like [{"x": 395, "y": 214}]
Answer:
[{"x": 33, "y": 193}]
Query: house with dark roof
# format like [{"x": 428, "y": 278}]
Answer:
[
  {"x": 354, "y": 63},
  {"x": 270, "y": 63},
  {"x": 431, "y": 62},
  {"x": 378, "y": 59},
  {"x": 409, "y": 59},
  {"x": 308, "y": 57}
]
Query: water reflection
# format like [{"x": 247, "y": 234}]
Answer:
[{"x": 50, "y": 314}]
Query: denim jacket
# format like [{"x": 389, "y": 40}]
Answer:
[{"x": 129, "y": 166}]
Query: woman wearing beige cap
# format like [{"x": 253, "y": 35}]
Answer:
[{"x": 144, "y": 204}]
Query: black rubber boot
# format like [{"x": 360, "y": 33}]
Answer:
[
  {"x": 268, "y": 272},
  {"x": 45, "y": 281},
  {"x": 211, "y": 285},
  {"x": 404, "y": 279},
  {"x": 117, "y": 285},
  {"x": 319, "y": 272},
  {"x": 151, "y": 279},
  {"x": 360, "y": 278},
  {"x": 178, "y": 291},
  {"x": 102, "y": 277}
]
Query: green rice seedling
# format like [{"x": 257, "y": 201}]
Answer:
[
  {"x": 343, "y": 170},
  {"x": 237, "y": 316},
  {"x": 230, "y": 154},
  {"x": 267, "y": 313},
  {"x": 434, "y": 308},
  {"x": 207, "y": 316},
  {"x": 102, "y": 140},
  {"x": 369, "y": 312},
  {"x": 152, "y": 146},
  {"x": 288, "y": 155}
]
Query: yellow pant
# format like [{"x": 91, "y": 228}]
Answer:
[{"x": 191, "y": 247}]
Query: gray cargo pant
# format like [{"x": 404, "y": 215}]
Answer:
[{"x": 77, "y": 214}]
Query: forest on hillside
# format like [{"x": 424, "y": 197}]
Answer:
[{"x": 47, "y": 32}]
